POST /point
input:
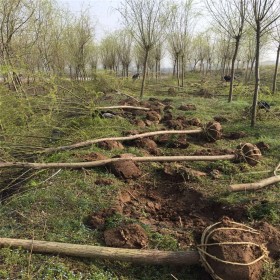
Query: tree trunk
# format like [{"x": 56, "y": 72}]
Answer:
[
  {"x": 182, "y": 70},
  {"x": 257, "y": 77},
  {"x": 144, "y": 73},
  {"x": 276, "y": 70},
  {"x": 178, "y": 70},
  {"x": 232, "y": 68}
]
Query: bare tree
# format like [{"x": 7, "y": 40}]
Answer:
[
  {"x": 147, "y": 20},
  {"x": 124, "y": 50},
  {"x": 230, "y": 16},
  {"x": 261, "y": 16},
  {"x": 276, "y": 37},
  {"x": 180, "y": 32}
]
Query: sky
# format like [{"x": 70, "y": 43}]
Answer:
[
  {"x": 103, "y": 13},
  {"x": 107, "y": 19}
]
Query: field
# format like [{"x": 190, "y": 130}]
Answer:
[{"x": 126, "y": 204}]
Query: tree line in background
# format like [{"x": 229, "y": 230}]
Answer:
[{"x": 39, "y": 36}]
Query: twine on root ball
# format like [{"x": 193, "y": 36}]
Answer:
[
  {"x": 213, "y": 254},
  {"x": 213, "y": 131},
  {"x": 249, "y": 153}
]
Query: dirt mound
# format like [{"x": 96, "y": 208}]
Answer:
[
  {"x": 93, "y": 157},
  {"x": 171, "y": 91},
  {"x": 174, "y": 124},
  {"x": 126, "y": 236},
  {"x": 153, "y": 116},
  {"x": 110, "y": 145},
  {"x": 220, "y": 119},
  {"x": 194, "y": 122},
  {"x": 126, "y": 169},
  {"x": 187, "y": 107},
  {"x": 147, "y": 144},
  {"x": 234, "y": 253},
  {"x": 235, "y": 135},
  {"x": 262, "y": 146},
  {"x": 104, "y": 181},
  {"x": 139, "y": 123}
]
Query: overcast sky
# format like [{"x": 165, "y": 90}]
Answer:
[
  {"x": 103, "y": 13},
  {"x": 107, "y": 19}
]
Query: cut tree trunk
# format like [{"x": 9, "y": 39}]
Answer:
[{"x": 189, "y": 257}]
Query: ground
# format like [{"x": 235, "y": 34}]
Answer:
[{"x": 127, "y": 204}]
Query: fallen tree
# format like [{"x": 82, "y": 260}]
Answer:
[
  {"x": 118, "y": 138},
  {"x": 247, "y": 152},
  {"x": 257, "y": 185},
  {"x": 189, "y": 257},
  {"x": 123, "y": 107},
  {"x": 254, "y": 186}
]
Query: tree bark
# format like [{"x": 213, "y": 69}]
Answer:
[
  {"x": 276, "y": 70},
  {"x": 237, "y": 40},
  {"x": 144, "y": 73}
]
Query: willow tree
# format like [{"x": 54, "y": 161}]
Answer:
[
  {"x": 180, "y": 33},
  {"x": 261, "y": 16},
  {"x": 147, "y": 21},
  {"x": 230, "y": 17}
]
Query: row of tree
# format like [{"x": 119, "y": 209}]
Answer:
[{"x": 40, "y": 36}]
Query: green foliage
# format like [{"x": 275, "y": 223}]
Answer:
[{"x": 163, "y": 242}]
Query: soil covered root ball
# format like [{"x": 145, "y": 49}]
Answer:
[
  {"x": 230, "y": 251},
  {"x": 249, "y": 153},
  {"x": 213, "y": 131}
]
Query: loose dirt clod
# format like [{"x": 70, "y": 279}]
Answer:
[
  {"x": 126, "y": 236},
  {"x": 126, "y": 169}
]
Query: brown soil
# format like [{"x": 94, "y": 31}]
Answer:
[
  {"x": 111, "y": 145},
  {"x": 126, "y": 236},
  {"x": 126, "y": 169}
]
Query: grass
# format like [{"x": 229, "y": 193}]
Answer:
[{"x": 51, "y": 205}]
